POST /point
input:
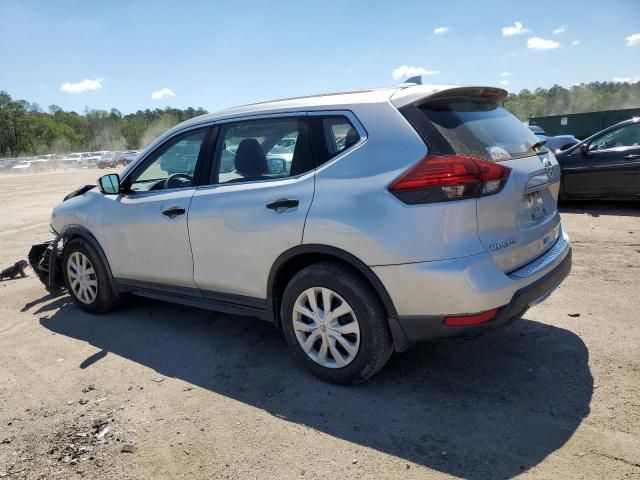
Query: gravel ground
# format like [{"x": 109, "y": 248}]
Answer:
[{"x": 162, "y": 391}]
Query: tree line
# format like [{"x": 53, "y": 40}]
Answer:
[
  {"x": 26, "y": 129},
  {"x": 586, "y": 97}
]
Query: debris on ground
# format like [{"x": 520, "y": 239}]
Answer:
[
  {"x": 83, "y": 444},
  {"x": 574, "y": 315},
  {"x": 14, "y": 270},
  {"x": 102, "y": 433}
]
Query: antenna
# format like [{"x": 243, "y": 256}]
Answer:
[{"x": 412, "y": 81}]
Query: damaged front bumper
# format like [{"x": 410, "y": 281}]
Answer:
[{"x": 45, "y": 260}]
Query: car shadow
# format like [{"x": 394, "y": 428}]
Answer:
[
  {"x": 596, "y": 209},
  {"x": 490, "y": 407},
  {"x": 11, "y": 279}
]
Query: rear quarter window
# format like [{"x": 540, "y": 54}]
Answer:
[
  {"x": 482, "y": 129},
  {"x": 331, "y": 135}
]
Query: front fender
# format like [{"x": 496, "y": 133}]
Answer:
[{"x": 74, "y": 231}]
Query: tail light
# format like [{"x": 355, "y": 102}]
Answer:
[{"x": 449, "y": 177}]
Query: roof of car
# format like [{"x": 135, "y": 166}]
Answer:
[
  {"x": 301, "y": 103},
  {"x": 403, "y": 94}
]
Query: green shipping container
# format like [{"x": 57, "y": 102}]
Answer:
[{"x": 583, "y": 125}]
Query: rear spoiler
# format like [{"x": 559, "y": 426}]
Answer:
[{"x": 420, "y": 94}]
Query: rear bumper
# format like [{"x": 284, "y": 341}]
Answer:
[{"x": 409, "y": 329}]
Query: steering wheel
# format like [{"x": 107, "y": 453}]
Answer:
[{"x": 178, "y": 180}]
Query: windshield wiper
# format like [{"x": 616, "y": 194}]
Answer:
[{"x": 538, "y": 145}]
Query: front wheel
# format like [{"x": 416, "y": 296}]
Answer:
[
  {"x": 86, "y": 278},
  {"x": 335, "y": 324}
]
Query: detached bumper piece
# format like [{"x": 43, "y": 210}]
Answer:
[
  {"x": 45, "y": 259},
  {"x": 13, "y": 271},
  {"x": 408, "y": 330}
]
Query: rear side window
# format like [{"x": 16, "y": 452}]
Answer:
[
  {"x": 481, "y": 129},
  {"x": 258, "y": 150},
  {"x": 331, "y": 135}
]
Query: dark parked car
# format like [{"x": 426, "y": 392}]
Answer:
[
  {"x": 605, "y": 165},
  {"x": 561, "y": 142},
  {"x": 108, "y": 160},
  {"x": 538, "y": 131},
  {"x": 125, "y": 158}
]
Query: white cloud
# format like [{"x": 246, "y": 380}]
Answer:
[
  {"x": 505, "y": 74},
  {"x": 537, "y": 43},
  {"x": 440, "y": 30},
  {"x": 575, "y": 42},
  {"x": 560, "y": 29},
  {"x": 162, "y": 93},
  {"x": 633, "y": 40},
  {"x": 634, "y": 79},
  {"x": 406, "y": 71},
  {"x": 516, "y": 29},
  {"x": 504, "y": 83},
  {"x": 82, "y": 86}
]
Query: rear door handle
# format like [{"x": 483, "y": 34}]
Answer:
[
  {"x": 631, "y": 156},
  {"x": 283, "y": 204},
  {"x": 173, "y": 212}
]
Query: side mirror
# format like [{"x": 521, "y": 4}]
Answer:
[
  {"x": 110, "y": 184},
  {"x": 584, "y": 149},
  {"x": 276, "y": 165}
]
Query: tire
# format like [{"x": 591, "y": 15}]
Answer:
[
  {"x": 98, "y": 299},
  {"x": 562, "y": 196},
  {"x": 372, "y": 343}
]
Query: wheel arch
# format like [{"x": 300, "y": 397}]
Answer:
[
  {"x": 301, "y": 256},
  {"x": 77, "y": 231}
]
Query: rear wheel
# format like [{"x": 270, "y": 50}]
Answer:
[
  {"x": 335, "y": 324},
  {"x": 86, "y": 278}
]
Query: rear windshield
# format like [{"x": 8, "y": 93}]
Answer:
[{"x": 481, "y": 128}]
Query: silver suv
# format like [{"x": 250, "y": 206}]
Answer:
[{"x": 358, "y": 222}]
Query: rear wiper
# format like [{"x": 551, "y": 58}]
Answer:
[{"x": 538, "y": 145}]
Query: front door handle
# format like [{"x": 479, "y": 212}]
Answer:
[
  {"x": 283, "y": 204},
  {"x": 173, "y": 212},
  {"x": 631, "y": 156}
]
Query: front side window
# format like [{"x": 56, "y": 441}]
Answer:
[
  {"x": 332, "y": 135},
  {"x": 628, "y": 136},
  {"x": 256, "y": 150},
  {"x": 173, "y": 166}
]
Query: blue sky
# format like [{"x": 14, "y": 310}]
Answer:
[{"x": 105, "y": 54}]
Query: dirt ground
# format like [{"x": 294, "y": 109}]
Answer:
[{"x": 162, "y": 391}]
